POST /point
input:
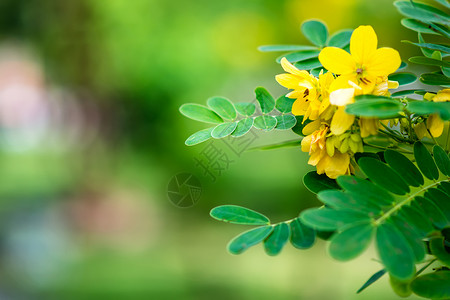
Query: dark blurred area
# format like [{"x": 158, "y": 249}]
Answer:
[{"x": 90, "y": 136}]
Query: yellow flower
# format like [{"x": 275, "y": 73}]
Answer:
[
  {"x": 364, "y": 64},
  {"x": 442, "y": 96},
  {"x": 317, "y": 145},
  {"x": 304, "y": 87},
  {"x": 368, "y": 126},
  {"x": 434, "y": 123}
]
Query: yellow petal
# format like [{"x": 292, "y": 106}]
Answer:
[
  {"x": 420, "y": 130},
  {"x": 342, "y": 82},
  {"x": 393, "y": 84},
  {"x": 337, "y": 61},
  {"x": 288, "y": 67},
  {"x": 342, "y": 97},
  {"x": 288, "y": 81},
  {"x": 311, "y": 127},
  {"x": 435, "y": 125},
  {"x": 299, "y": 107},
  {"x": 306, "y": 143},
  {"x": 368, "y": 126},
  {"x": 341, "y": 121},
  {"x": 429, "y": 96},
  {"x": 336, "y": 165},
  {"x": 384, "y": 61},
  {"x": 442, "y": 96},
  {"x": 363, "y": 44}
]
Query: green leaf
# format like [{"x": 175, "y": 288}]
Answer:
[
  {"x": 329, "y": 219},
  {"x": 340, "y": 39},
  {"x": 412, "y": 236},
  {"x": 351, "y": 242},
  {"x": 425, "y": 161},
  {"x": 316, "y": 32},
  {"x": 316, "y": 72},
  {"x": 445, "y": 71},
  {"x": 238, "y": 215},
  {"x": 243, "y": 126},
  {"x": 441, "y": 199},
  {"x": 438, "y": 249},
  {"x": 302, "y": 236},
  {"x": 266, "y": 101},
  {"x": 429, "y": 46},
  {"x": 401, "y": 287},
  {"x": 337, "y": 199},
  {"x": 248, "y": 239},
  {"x": 428, "y": 107},
  {"x": 425, "y": 51},
  {"x": 422, "y": 12},
  {"x": 442, "y": 160},
  {"x": 284, "y": 104},
  {"x": 371, "y": 280},
  {"x": 405, "y": 92},
  {"x": 275, "y": 242},
  {"x": 298, "y": 128},
  {"x": 428, "y": 61},
  {"x": 265, "y": 122},
  {"x": 316, "y": 183},
  {"x": 433, "y": 286},
  {"x": 308, "y": 64},
  {"x": 359, "y": 187},
  {"x": 244, "y": 108},
  {"x": 284, "y": 48},
  {"x": 285, "y": 122},
  {"x": 382, "y": 175},
  {"x": 299, "y": 56},
  {"x": 395, "y": 252},
  {"x": 199, "y": 137},
  {"x": 434, "y": 79},
  {"x": 375, "y": 107},
  {"x": 403, "y": 166},
  {"x": 417, "y": 219},
  {"x": 403, "y": 78},
  {"x": 223, "y": 130},
  {"x": 418, "y": 26},
  {"x": 443, "y": 2},
  {"x": 431, "y": 210},
  {"x": 200, "y": 113},
  {"x": 223, "y": 107}
]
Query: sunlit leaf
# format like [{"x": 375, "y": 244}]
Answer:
[
  {"x": 242, "y": 127},
  {"x": 284, "y": 104},
  {"x": 238, "y": 215},
  {"x": 358, "y": 186},
  {"x": 330, "y": 219},
  {"x": 299, "y": 56},
  {"x": 340, "y": 39},
  {"x": 223, "y": 130},
  {"x": 374, "y": 106},
  {"x": 403, "y": 78},
  {"x": 435, "y": 79},
  {"x": 199, "y": 137},
  {"x": 429, "y": 107},
  {"x": 265, "y": 122},
  {"x": 266, "y": 101},
  {"x": 316, "y": 32},
  {"x": 308, "y": 64},
  {"x": 200, "y": 113},
  {"x": 285, "y": 122},
  {"x": 223, "y": 107},
  {"x": 428, "y": 61},
  {"x": 418, "y": 26},
  {"x": 422, "y": 12},
  {"x": 245, "y": 109}
]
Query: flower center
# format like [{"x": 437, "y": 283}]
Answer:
[{"x": 359, "y": 71}]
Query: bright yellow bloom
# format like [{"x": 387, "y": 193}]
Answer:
[
  {"x": 368, "y": 126},
  {"x": 364, "y": 64},
  {"x": 324, "y": 152},
  {"x": 434, "y": 123},
  {"x": 304, "y": 87}
]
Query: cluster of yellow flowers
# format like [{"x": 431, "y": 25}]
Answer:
[
  {"x": 333, "y": 136},
  {"x": 434, "y": 124}
]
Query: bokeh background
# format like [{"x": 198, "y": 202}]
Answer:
[{"x": 90, "y": 135}]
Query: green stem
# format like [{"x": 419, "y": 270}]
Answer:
[{"x": 403, "y": 202}]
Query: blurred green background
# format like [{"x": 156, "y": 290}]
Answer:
[{"x": 90, "y": 135}]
